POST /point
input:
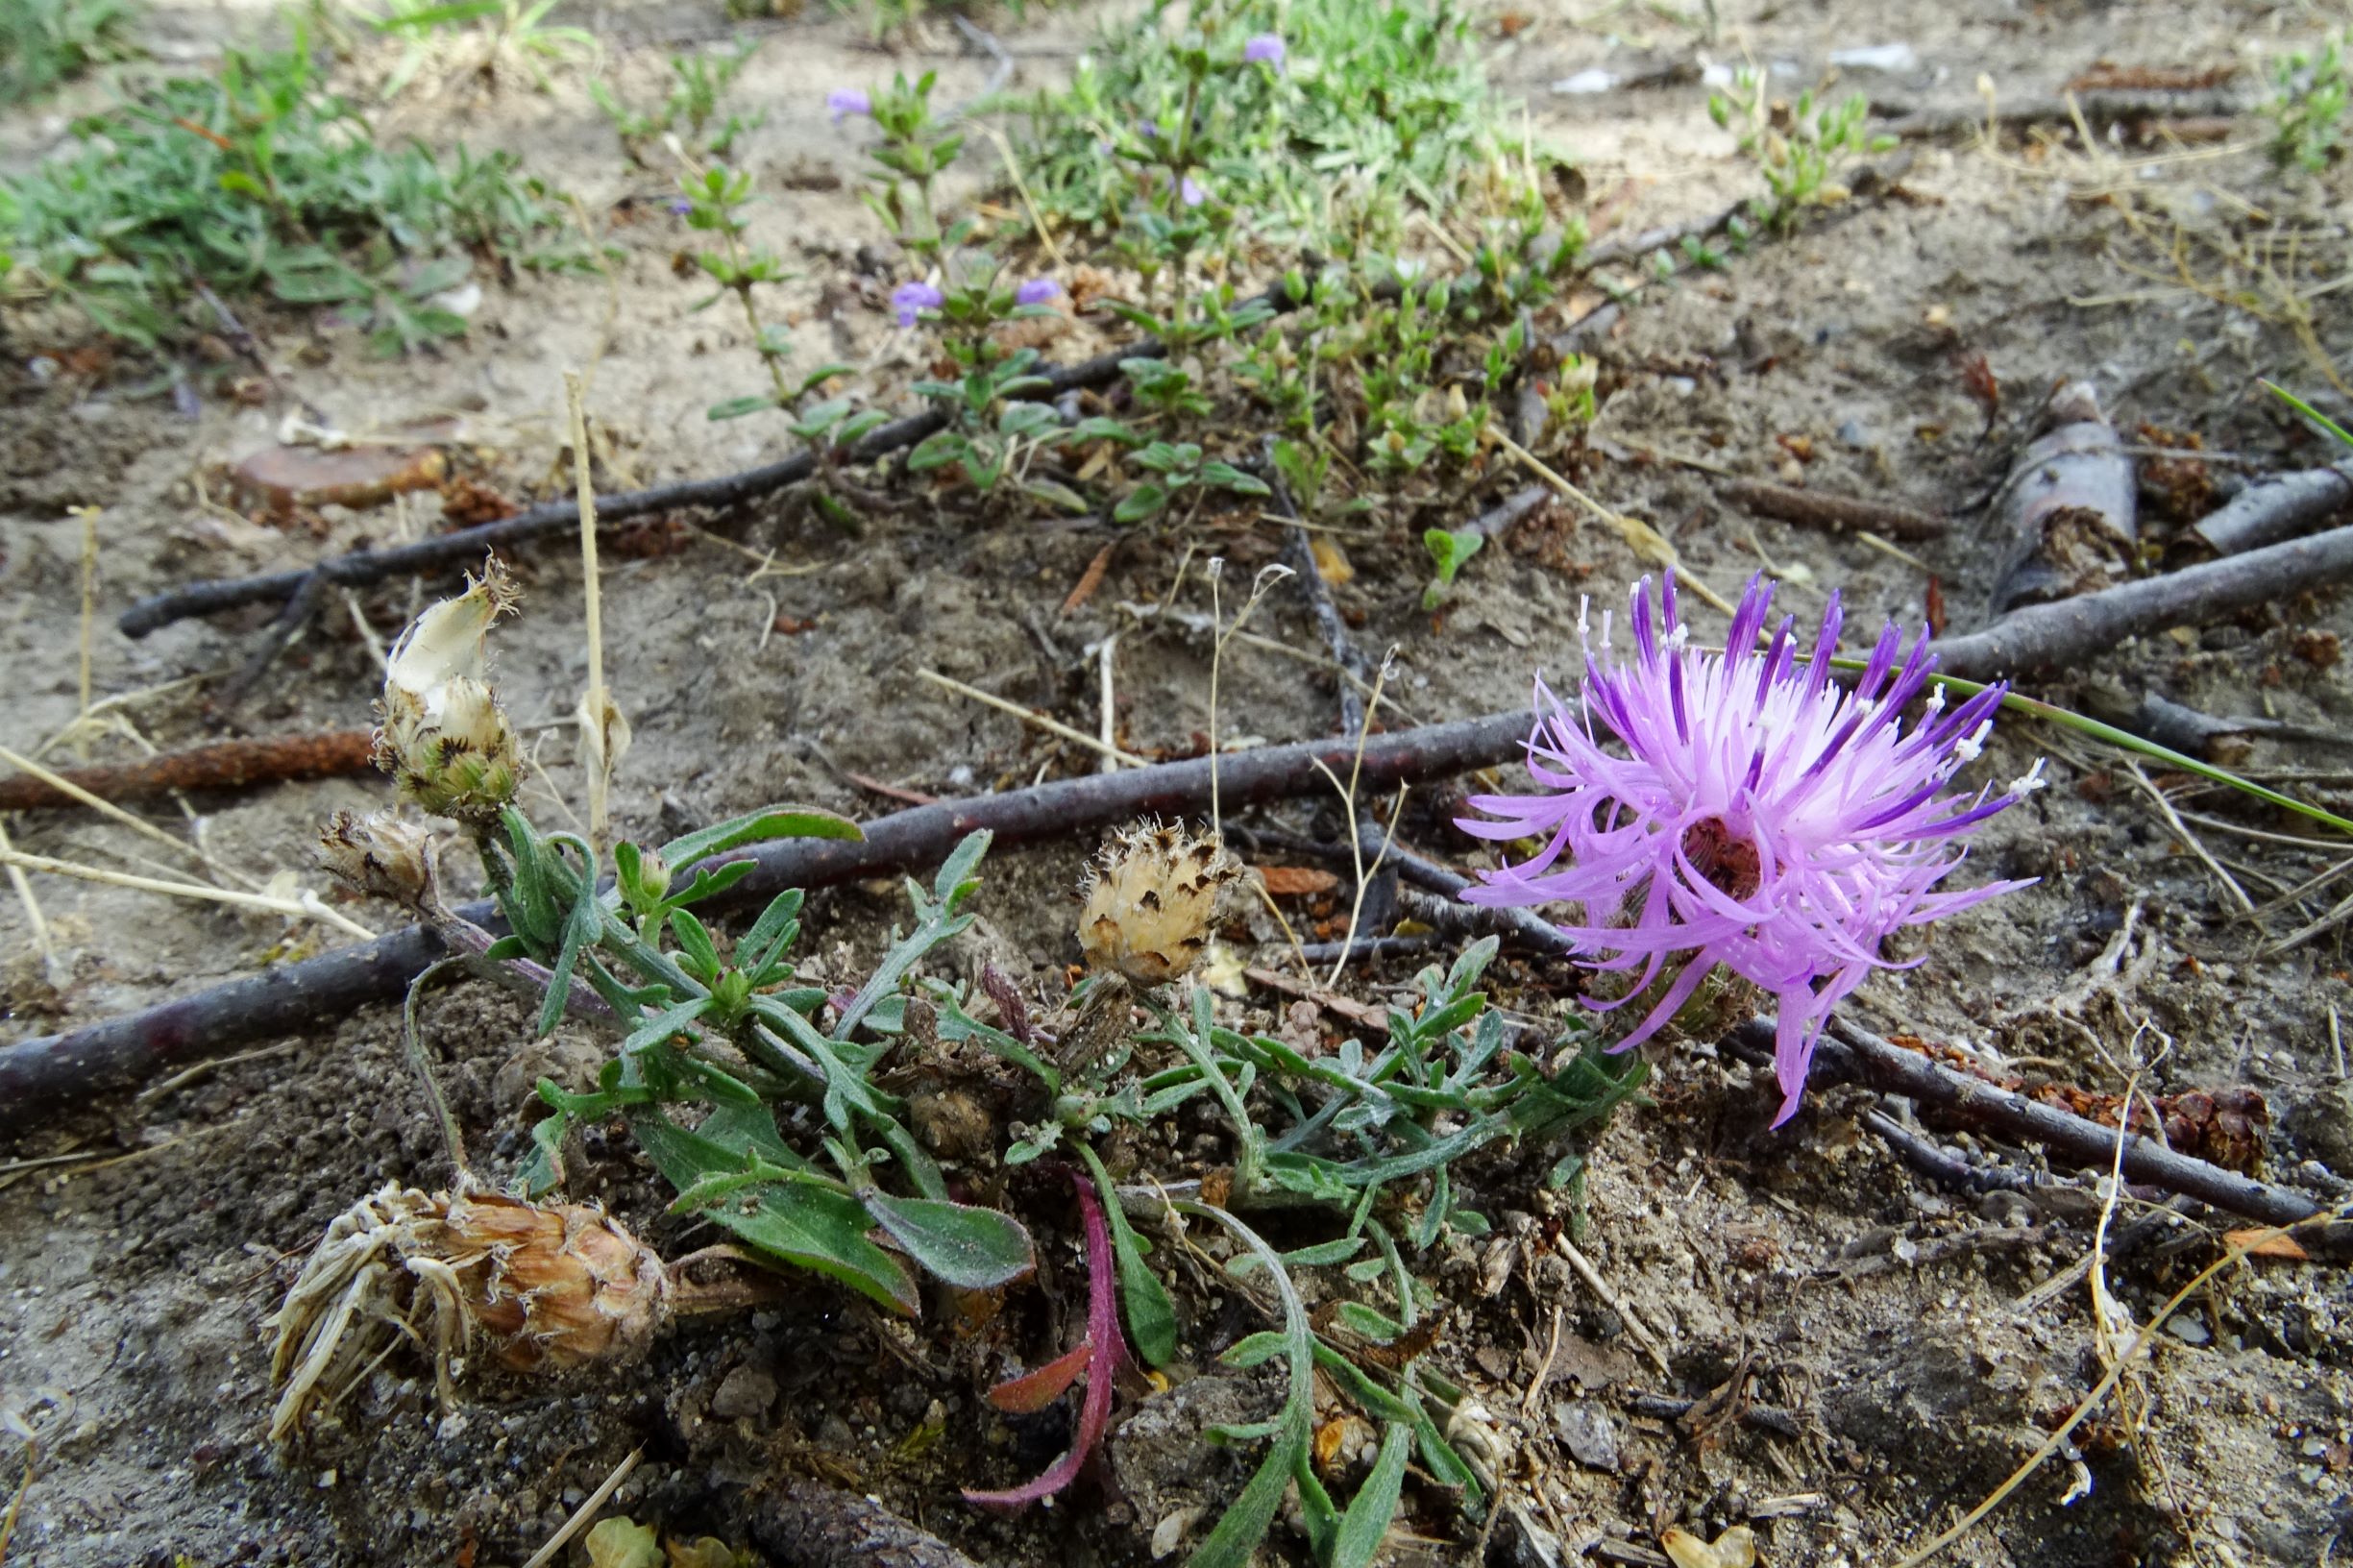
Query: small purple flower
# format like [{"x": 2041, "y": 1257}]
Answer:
[
  {"x": 1265, "y": 49},
  {"x": 680, "y": 207},
  {"x": 1036, "y": 291},
  {"x": 1763, "y": 819},
  {"x": 911, "y": 300},
  {"x": 843, "y": 102},
  {"x": 1191, "y": 191}
]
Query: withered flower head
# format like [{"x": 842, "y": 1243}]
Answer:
[
  {"x": 1150, "y": 897},
  {"x": 379, "y": 855},
  {"x": 444, "y": 739},
  {"x": 552, "y": 1287}
]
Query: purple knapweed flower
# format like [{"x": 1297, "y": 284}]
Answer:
[
  {"x": 1762, "y": 819},
  {"x": 1036, "y": 291},
  {"x": 911, "y": 300},
  {"x": 1265, "y": 49},
  {"x": 843, "y": 102},
  {"x": 1191, "y": 191}
]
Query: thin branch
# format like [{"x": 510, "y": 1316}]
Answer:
[
  {"x": 1857, "y": 1055},
  {"x": 1839, "y": 514},
  {"x": 225, "y": 764},
  {"x": 2043, "y": 636},
  {"x": 2278, "y": 509},
  {"x": 115, "y": 1053},
  {"x": 218, "y": 595}
]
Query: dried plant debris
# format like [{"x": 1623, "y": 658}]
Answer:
[
  {"x": 1151, "y": 896},
  {"x": 552, "y": 1287}
]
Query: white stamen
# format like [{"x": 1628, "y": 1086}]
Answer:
[
  {"x": 2029, "y": 781},
  {"x": 1936, "y": 699},
  {"x": 1676, "y": 639},
  {"x": 1584, "y": 615},
  {"x": 1604, "y": 631}
]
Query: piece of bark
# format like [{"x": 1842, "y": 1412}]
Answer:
[
  {"x": 225, "y": 764},
  {"x": 287, "y": 478},
  {"x": 2225, "y": 741},
  {"x": 2278, "y": 509},
  {"x": 2070, "y": 513},
  {"x": 804, "y": 1524}
]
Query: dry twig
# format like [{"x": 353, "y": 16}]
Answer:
[
  {"x": 1837, "y": 513},
  {"x": 224, "y": 764},
  {"x": 115, "y": 1053}
]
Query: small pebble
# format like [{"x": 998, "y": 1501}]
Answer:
[
  {"x": 1587, "y": 1433},
  {"x": 744, "y": 1394}
]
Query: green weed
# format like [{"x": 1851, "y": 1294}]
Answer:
[
  {"x": 259, "y": 182},
  {"x": 692, "y": 104},
  {"x": 1798, "y": 149},
  {"x": 43, "y": 42},
  {"x": 520, "y": 31},
  {"x": 2310, "y": 93}
]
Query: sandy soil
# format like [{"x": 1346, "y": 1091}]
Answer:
[{"x": 1883, "y": 1312}]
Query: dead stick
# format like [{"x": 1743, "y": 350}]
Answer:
[
  {"x": 116, "y": 1053},
  {"x": 1859, "y": 1056},
  {"x": 2278, "y": 509},
  {"x": 1836, "y": 513},
  {"x": 224, "y": 764},
  {"x": 217, "y": 595},
  {"x": 111, "y": 1054},
  {"x": 1498, "y": 519},
  {"x": 2041, "y": 636},
  {"x": 1299, "y": 554},
  {"x": 2099, "y": 108}
]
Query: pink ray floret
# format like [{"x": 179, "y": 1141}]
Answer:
[{"x": 1761, "y": 818}]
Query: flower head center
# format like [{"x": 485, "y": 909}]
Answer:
[{"x": 1728, "y": 859}]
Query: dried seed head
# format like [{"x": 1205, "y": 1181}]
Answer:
[
  {"x": 553, "y": 1285},
  {"x": 1150, "y": 897},
  {"x": 380, "y": 855},
  {"x": 445, "y": 740}
]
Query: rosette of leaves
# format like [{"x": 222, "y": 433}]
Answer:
[{"x": 717, "y": 1036}]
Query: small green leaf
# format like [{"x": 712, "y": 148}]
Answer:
[
  {"x": 771, "y": 933},
  {"x": 694, "y": 945},
  {"x": 1255, "y": 1350},
  {"x": 1151, "y": 1316},
  {"x": 580, "y": 932},
  {"x": 793, "y": 1222},
  {"x": 1324, "y": 1253},
  {"x": 970, "y": 1247},
  {"x": 1377, "y": 1326},
  {"x": 738, "y": 407},
  {"x": 1237, "y": 1533},
  {"x": 758, "y": 827},
  {"x": 1375, "y": 1505},
  {"x": 1143, "y": 501}
]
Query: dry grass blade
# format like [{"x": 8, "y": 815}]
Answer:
[
  {"x": 1052, "y": 726},
  {"x": 35, "y": 921},
  {"x": 2240, "y": 1245},
  {"x": 1648, "y": 544},
  {"x": 2181, "y": 831},
  {"x": 308, "y": 907},
  {"x": 605, "y": 734},
  {"x": 581, "y": 1515}
]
